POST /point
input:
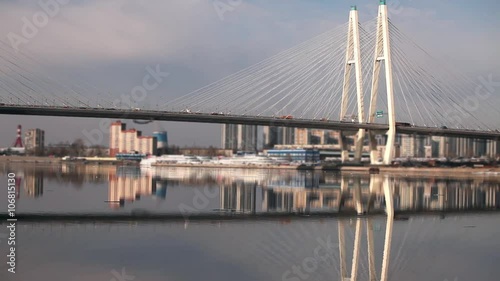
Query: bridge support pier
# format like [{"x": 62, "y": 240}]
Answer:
[
  {"x": 360, "y": 141},
  {"x": 373, "y": 148},
  {"x": 344, "y": 146}
]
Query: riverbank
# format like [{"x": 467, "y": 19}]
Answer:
[
  {"x": 238, "y": 166},
  {"x": 30, "y": 159},
  {"x": 423, "y": 171},
  {"x": 353, "y": 169},
  {"x": 54, "y": 160}
]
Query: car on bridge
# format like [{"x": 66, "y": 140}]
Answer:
[
  {"x": 349, "y": 118},
  {"x": 217, "y": 113},
  {"x": 324, "y": 119},
  {"x": 403, "y": 124},
  {"x": 286, "y": 117}
]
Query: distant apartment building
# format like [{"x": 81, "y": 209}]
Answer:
[
  {"x": 452, "y": 147},
  {"x": 239, "y": 137},
  {"x": 122, "y": 140},
  {"x": 317, "y": 136},
  {"x": 270, "y": 137},
  {"x": 414, "y": 146},
  {"x": 34, "y": 141},
  {"x": 278, "y": 136},
  {"x": 493, "y": 148},
  {"x": 299, "y": 137}
]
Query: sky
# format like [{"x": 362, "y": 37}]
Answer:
[{"x": 108, "y": 44}]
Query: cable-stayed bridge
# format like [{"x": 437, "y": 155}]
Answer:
[{"x": 324, "y": 83}]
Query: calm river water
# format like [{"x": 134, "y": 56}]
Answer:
[{"x": 445, "y": 228}]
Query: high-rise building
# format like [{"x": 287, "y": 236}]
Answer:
[
  {"x": 480, "y": 147},
  {"x": 122, "y": 140},
  {"x": 317, "y": 136},
  {"x": 286, "y": 135},
  {"x": 162, "y": 139},
  {"x": 493, "y": 148},
  {"x": 301, "y": 136},
  {"x": 34, "y": 141},
  {"x": 465, "y": 147},
  {"x": 332, "y": 137},
  {"x": 415, "y": 146},
  {"x": 270, "y": 136},
  {"x": 239, "y": 137},
  {"x": 452, "y": 147}
]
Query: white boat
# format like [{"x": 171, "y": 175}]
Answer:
[
  {"x": 205, "y": 159},
  {"x": 170, "y": 159},
  {"x": 251, "y": 159},
  {"x": 147, "y": 162}
]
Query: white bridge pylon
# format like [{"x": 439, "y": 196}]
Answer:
[
  {"x": 383, "y": 53},
  {"x": 353, "y": 58}
]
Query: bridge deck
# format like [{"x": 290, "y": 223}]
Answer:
[{"x": 113, "y": 113}]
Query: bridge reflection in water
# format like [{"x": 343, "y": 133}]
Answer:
[
  {"x": 256, "y": 192},
  {"x": 248, "y": 191},
  {"x": 251, "y": 191}
]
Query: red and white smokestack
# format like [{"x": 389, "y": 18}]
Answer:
[{"x": 18, "y": 142}]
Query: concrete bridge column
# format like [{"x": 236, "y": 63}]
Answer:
[
  {"x": 344, "y": 146},
  {"x": 373, "y": 148}
]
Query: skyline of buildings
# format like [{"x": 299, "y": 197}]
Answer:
[
  {"x": 255, "y": 138},
  {"x": 412, "y": 146}
]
